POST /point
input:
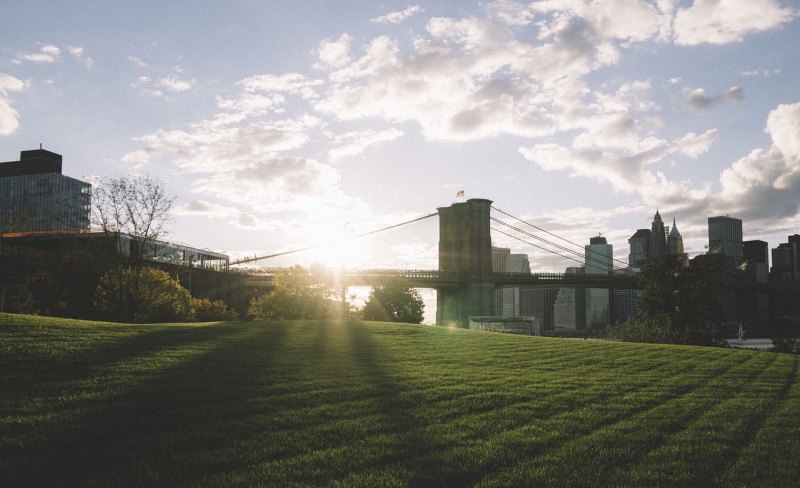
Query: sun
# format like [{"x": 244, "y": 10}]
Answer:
[{"x": 340, "y": 250}]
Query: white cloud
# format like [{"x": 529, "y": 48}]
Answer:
[
  {"x": 137, "y": 61},
  {"x": 9, "y": 117},
  {"x": 47, "y": 53},
  {"x": 724, "y": 21},
  {"x": 289, "y": 82},
  {"x": 334, "y": 54},
  {"x": 397, "y": 17},
  {"x": 77, "y": 53},
  {"x": 510, "y": 12},
  {"x": 623, "y": 168},
  {"x": 234, "y": 216},
  {"x": 354, "y": 143},
  {"x": 174, "y": 84},
  {"x": 766, "y": 182}
]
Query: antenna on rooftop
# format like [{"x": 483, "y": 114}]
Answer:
[{"x": 40, "y": 145}]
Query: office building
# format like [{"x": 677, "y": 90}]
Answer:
[
  {"x": 36, "y": 197},
  {"x": 508, "y": 300},
  {"x": 598, "y": 259},
  {"x": 569, "y": 309},
  {"x": 725, "y": 237},
  {"x": 639, "y": 244},
  {"x": 786, "y": 261},
  {"x": 657, "y": 245}
]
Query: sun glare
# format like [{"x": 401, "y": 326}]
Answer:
[{"x": 340, "y": 250}]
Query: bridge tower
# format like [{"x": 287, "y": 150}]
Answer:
[{"x": 465, "y": 248}]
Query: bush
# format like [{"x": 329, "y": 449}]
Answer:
[
  {"x": 157, "y": 298},
  {"x": 206, "y": 310},
  {"x": 785, "y": 334},
  {"x": 16, "y": 299},
  {"x": 656, "y": 329}
]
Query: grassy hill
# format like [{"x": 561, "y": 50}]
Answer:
[{"x": 370, "y": 404}]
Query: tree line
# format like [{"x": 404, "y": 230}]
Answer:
[{"x": 96, "y": 278}]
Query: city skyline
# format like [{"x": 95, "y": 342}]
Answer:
[{"x": 274, "y": 124}]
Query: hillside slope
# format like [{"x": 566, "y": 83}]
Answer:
[{"x": 372, "y": 404}]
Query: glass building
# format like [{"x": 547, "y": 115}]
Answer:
[{"x": 36, "y": 197}]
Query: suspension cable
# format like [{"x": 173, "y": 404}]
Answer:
[
  {"x": 308, "y": 248},
  {"x": 624, "y": 264}
]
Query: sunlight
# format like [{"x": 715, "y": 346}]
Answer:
[{"x": 339, "y": 249}]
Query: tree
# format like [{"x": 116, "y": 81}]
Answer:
[
  {"x": 158, "y": 297},
  {"x": 136, "y": 206},
  {"x": 691, "y": 297},
  {"x": 394, "y": 301},
  {"x": 206, "y": 310},
  {"x": 297, "y": 295}
]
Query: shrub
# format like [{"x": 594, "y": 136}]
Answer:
[{"x": 206, "y": 310}]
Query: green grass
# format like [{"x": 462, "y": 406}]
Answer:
[{"x": 369, "y": 404}]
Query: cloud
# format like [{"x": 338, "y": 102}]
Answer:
[
  {"x": 9, "y": 117},
  {"x": 334, "y": 54},
  {"x": 697, "y": 101},
  {"x": 233, "y": 215},
  {"x": 77, "y": 53},
  {"x": 765, "y": 73},
  {"x": 354, "y": 143},
  {"x": 762, "y": 187},
  {"x": 294, "y": 83},
  {"x": 174, "y": 84},
  {"x": 735, "y": 93},
  {"x": 171, "y": 83},
  {"x": 624, "y": 169},
  {"x": 510, "y": 12},
  {"x": 725, "y": 21},
  {"x": 137, "y": 61},
  {"x": 47, "y": 53},
  {"x": 397, "y": 17}
]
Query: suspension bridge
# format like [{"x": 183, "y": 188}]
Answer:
[{"x": 465, "y": 278}]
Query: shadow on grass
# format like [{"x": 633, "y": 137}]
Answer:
[{"x": 154, "y": 425}]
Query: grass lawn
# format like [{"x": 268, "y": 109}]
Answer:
[{"x": 372, "y": 404}]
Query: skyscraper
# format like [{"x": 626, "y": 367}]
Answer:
[
  {"x": 599, "y": 255},
  {"x": 725, "y": 237},
  {"x": 675, "y": 243},
  {"x": 639, "y": 248},
  {"x": 658, "y": 237}
]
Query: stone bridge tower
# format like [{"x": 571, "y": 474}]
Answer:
[{"x": 465, "y": 247}]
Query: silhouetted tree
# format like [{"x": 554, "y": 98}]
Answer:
[
  {"x": 139, "y": 207},
  {"x": 394, "y": 302},
  {"x": 297, "y": 295},
  {"x": 691, "y": 296}
]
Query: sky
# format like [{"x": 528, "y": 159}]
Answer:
[{"x": 282, "y": 124}]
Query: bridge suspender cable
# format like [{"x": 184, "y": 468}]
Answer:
[
  {"x": 624, "y": 264},
  {"x": 590, "y": 260},
  {"x": 308, "y": 248}
]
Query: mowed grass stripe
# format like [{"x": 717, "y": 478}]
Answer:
[{"x": 358, "y": 404}]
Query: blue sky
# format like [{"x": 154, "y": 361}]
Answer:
[{"x": 275, "y": 122}]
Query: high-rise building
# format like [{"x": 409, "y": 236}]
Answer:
[
  {"x": 752, "y": 304},
  {"x": 639, "y": 248},
  {"x": 598, "y": 258},
  {"x": 725, "y": 237},
  {"x": 786, "y": 260},
  {"x": 658, "y": 237},
  {"x": 508, "y": 300},
  {"x": 675, "y": 243},
  {"x": 569, "y": 309},
  {"x": 36, "y": 197}
]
